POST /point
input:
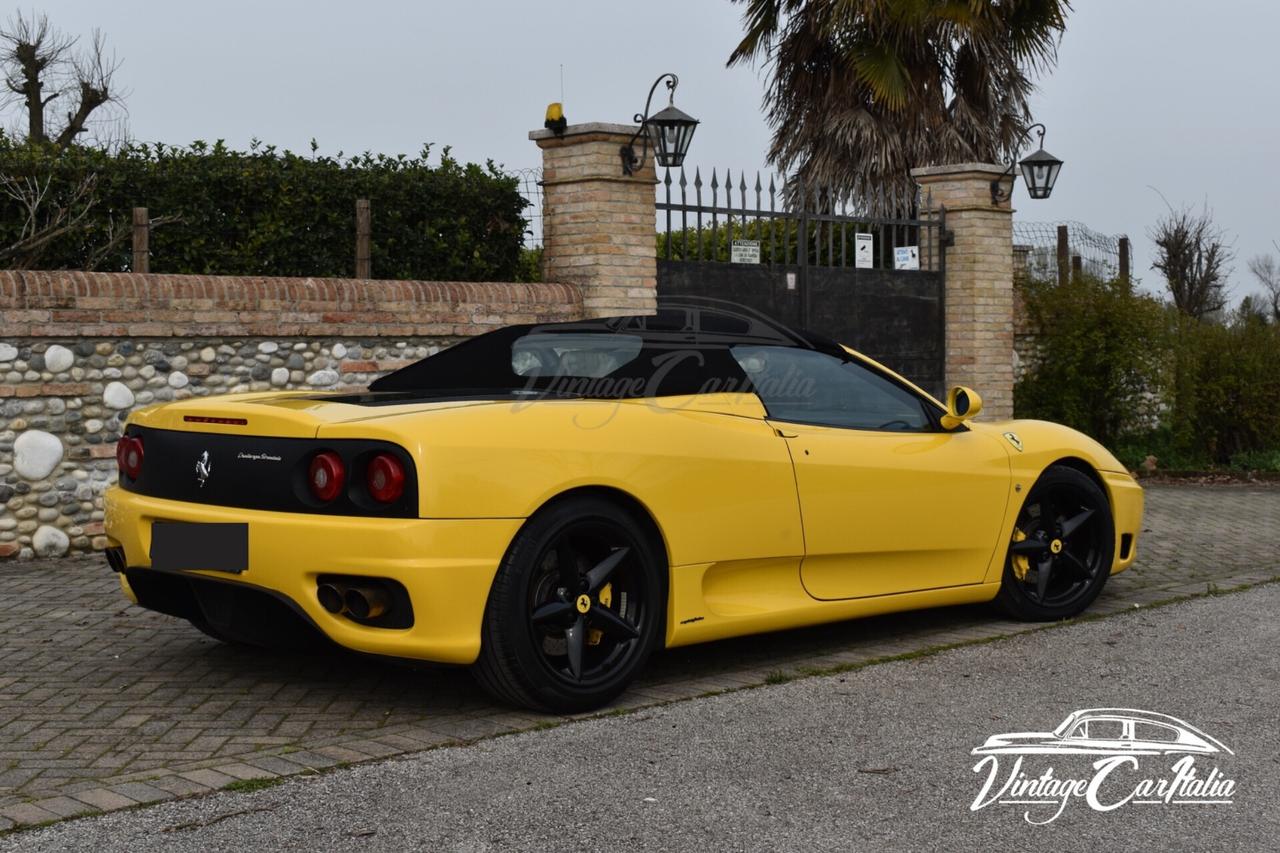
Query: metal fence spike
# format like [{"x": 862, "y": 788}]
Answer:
[
  {"x": 697, "y": 178},
  {"x": 683, "y": 182}
]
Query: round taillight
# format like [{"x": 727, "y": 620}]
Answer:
[
  {"x": 385, "y": 478},
  {"x": 326, "y": 476},
  {"x": 129, "y": 456}
]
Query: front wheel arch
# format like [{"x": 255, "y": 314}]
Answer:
[{"x": 1084, "y": 467}]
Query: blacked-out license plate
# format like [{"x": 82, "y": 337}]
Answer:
[{"x": 185, "y": 545}]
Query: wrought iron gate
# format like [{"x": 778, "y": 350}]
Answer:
[{"x": 808, "y": 260}]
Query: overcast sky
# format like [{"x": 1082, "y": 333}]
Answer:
[{"x": 1175, "y": 95}]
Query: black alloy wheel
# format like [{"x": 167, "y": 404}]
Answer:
[
  {"x": 1062, "y": 548},
  {"x": 586, "y": 602},
  {"x": 576, "y": 609}
]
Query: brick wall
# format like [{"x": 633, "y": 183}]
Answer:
[
  {"x": 79, "y": 351},
  {"x": 597, "y": 223},
  {"x": 979, "y": 284}
]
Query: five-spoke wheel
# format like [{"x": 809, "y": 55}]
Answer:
[
  {"x": 1062, "y": 546},
  {"x": 576, "y": 607}
]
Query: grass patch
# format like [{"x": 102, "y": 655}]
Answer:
[
  {"x": 779, "y": 677},
  {"x": 249, "y": 786}
]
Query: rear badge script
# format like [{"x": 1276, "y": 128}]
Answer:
[{"x": 258, "y": 457}]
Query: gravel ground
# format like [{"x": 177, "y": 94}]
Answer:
[{"x": 879, "y": 756}]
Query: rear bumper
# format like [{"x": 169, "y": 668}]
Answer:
[
  {"x": 1126, "y": 506},
  {"x": 446, "y": 565}
]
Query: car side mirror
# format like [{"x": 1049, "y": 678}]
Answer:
[{"x": 962, "y": 404}]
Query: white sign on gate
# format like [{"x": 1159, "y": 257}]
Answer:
[
  {"x": 745, "y": 252},
  {"x": 906, "y": 258},
  {"x": 863, "y": 251}
]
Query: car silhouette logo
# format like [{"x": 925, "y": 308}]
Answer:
[
  {"x": 1109, "y": 731},
  {"x": 203, "y": 469}
]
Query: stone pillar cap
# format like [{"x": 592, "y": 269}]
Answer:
[
  {"x": 585, "y": 129},
  {"x": 951, "y": 170}
]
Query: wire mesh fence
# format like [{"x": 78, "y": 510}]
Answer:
[
  {"x": 1040, "y": 250},
  {"x": 530, "y": 186}
]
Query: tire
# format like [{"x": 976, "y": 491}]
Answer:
[
  {"x": 1062, "y": 548},
  {"x": 585, "y": 574}
]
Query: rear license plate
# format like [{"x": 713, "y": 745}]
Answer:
[{"x": 184, "y": 545}]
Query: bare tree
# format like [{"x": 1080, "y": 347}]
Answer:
[
  {"x": 1266, "y": 269},
  {"x": 45, "y": 69},
  {"x": 46, "y": 215},
  {"x": 50, "y": 214},
  {"x": 1193, "y": 255}
]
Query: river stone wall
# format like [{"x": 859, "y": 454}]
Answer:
[{"x": 79, "y": 351}]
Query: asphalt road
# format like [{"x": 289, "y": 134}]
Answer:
[{"x": 876, "y": 757}]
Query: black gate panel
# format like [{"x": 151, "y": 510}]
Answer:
[
  {"x": 757, "y": 286},
  {"x": 894, "y": 318},
  {"x": 809, "y": 263}
]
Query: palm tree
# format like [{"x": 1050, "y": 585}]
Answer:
[{"x": 861, "y": 91}]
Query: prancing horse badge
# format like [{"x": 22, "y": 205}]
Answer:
[{"x": 203, "y": 468}]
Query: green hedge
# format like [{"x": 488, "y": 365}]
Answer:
[
  {"x": 271, "y": 212},
  {"x": 1146, "y": 381},
  {"x": 1102, "y": 364}
]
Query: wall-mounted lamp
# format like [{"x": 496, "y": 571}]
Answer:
[
  {"x": 1039, "y": 172},
  {"x": 671, "y": 131}
]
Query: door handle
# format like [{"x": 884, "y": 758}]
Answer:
[{"x": 784, "y": 434}]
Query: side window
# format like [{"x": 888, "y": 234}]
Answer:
[
  {"x": 1154, "y": 732},
  {"x": 806, "y": 386},
  {"x": 1105, "y": 729}
]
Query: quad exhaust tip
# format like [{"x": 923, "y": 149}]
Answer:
[
  {"x": 331, "y": 598},
  {"x": 367, "y": 602},
  {"x": 360, "y": 601}
]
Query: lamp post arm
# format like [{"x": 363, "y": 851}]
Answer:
[{"x": 630, "y": 162}]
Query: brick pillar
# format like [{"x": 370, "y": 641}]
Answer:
[
  {"x": 598, "y": 225},
  {"x": 979, "y": 280}
]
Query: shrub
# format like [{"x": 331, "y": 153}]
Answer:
[
  {"x": 270, "y": 212},
  {"x": 1231, "y": 401},
  {"x": 1147, "y": 381},
  {"x": 529, "y": 267},
  {"x": 1102, "y": 362},
  {"x": 1257, "y": 460}
]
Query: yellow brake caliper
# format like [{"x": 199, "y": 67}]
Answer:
[
  {"x": 1021, "y": 565},
  {"x": 595, "y": 635}
]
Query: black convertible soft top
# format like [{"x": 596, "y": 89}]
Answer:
[{"x": 684, "y": 348}]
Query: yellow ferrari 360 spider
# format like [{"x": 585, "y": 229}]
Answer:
[{"x": 550, "y": 504}]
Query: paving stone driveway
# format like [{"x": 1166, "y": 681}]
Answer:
[{"x": 104, "y": 705}]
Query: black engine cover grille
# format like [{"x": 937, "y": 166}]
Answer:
[{"x": 261, "y": 472}]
